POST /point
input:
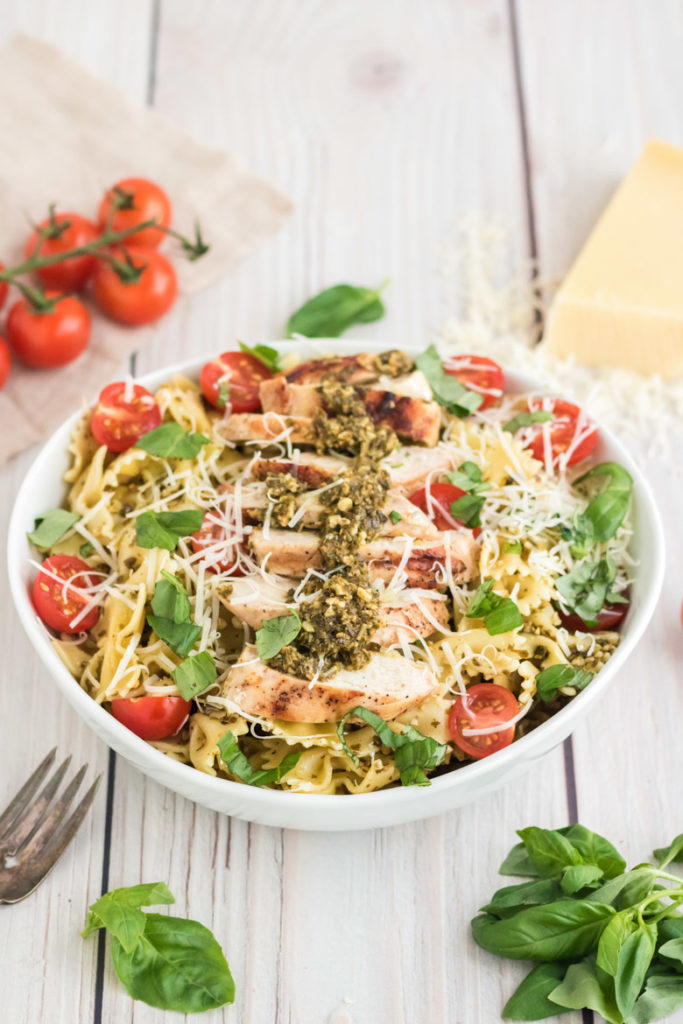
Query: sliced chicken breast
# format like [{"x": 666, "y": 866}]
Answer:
[
  {"x": 358, "y": 369},
  {"x": 264, "y": 427},
  {"x": 253, "y": 600},
  {"x": 409, "y": 467},
  {"x": 313, "y": 470},
  {"x": 389, "y": 685},
  {"x": 278, "y": 395},
  {"x": 406, "y": 621}
]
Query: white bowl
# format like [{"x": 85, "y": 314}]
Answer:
[{"x": 43, "y": 488}]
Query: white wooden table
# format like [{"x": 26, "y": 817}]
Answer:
[{"x": 385, "y": 121}]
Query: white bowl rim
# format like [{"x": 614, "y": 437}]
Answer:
[{"x": 262, "y": 799}]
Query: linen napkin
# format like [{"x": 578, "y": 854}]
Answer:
[{"x": 72, "y": 137}]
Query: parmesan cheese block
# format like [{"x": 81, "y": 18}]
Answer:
[{"x": 621, "y": 303}]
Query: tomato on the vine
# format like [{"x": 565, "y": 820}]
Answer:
[
  {"x": 436, "y": 502},
  {"x": 49, "y": 338},
  {"x": 61, "y": 591},
  {"x": 124, "y": 412},
  {"x": 152, "y": 717},
  {"x": 56, "y": 234},
  {"x": 234, "y": 377},
  {"x": 133, "y": 201},
  {"x": 483, "y": 706},
  {"x": 477, "y": 373},
  {"x": 5, "y": 362},
  {"x": 142, "y": 294}
]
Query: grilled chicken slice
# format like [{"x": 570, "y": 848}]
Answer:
[
  {"x": 278, "y": 395},
  {"x": 409, "y": 467},
  {"x": 406, "y": 621},
  {"x": 264, "y": 427},
  {"x": 313, "y": 470},
  {"x": 389, "y": 685},
  {"x": 253, "y": 600},
  {"x": 358, "y": 369},
  {"x": 292, "y": 554}
]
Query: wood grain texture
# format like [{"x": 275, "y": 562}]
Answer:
[{"x": 385, "y": 122}]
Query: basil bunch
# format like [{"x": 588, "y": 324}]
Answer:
[
  {"x": 415, "y": 753},
  {"x": 604, "y": 938},
  {"x": 168, "y": 962}
]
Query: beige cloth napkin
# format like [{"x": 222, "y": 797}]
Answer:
[{"x": 68, "y": 137}]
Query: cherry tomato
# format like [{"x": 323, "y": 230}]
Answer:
[
  {"x": 124, "y": 412},
  {"x": 483, "y": 706},
  {"x": 609, "y": 617},
  {"x": 150, "y": 717},
  {"x": 56, "y": 234},
  {"x": 140, "y": 301},
  {"x": 212, "y": 532},
  {"x": 438, "y": 507},
  {"x": 570, "y": 430},
  {"x": 58, "y": 604},
  {"x": 5, "y": 362},
  {"x": 49, "y": 339},
  {"x": 4, "y": 288},
  {"x": 242, "y": 373},
  {"x": 135, "y": 200},
  {"x": 477, "y": 373}
]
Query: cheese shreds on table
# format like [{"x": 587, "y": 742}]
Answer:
[{"x": 621, "y": 303}]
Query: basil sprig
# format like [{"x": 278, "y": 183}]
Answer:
[
  {"x": 238, "y": 764},
  {"x": 587, "y": 587},
  {"x": 270, "y": 357},
  {"x": 168, "y": 962},
  {"x": 500, "y": 614},
  {"x": 195, "y": 674},
  {"x": 605, "y": 512},
  {"x": 468, "y": 477},
  {"x": 332, "y": 311},
  {"x": 554, "y": 678},
  {"x": 276, "y": 633},
  {"x": 467, "y": 508},
  {"x": 604, "y": 938},
  {"x": 51, "y": 527},
  {"x": 170, "y": 441},
  {"x": 171, "y": 620},
  {"x": 446, "y": 389},
  {"x": 164, "y": 529},
  {"x": 414, "y": 755},
  {"x": 525, "y": 419}
]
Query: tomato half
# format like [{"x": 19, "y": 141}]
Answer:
[
  {"x": 132, "y": 201},
  {"x": 241, "y": 373},
  {"x": 570, "y": 430},
  {"x": 484, "y": 706},
  {"x": 124, "y": 412},
  {"x": 438, "y": 506},
  {"x": 56, "y": 234},
  {"x": 54, "y": 338},
  {"x": 57, "y": 604},
  {"x": 5, "y": 362},
  {"x": 609, "y": 617},
  {"x": 139, "y": 301},
  {"x": 4, "y": 287},
  {"x": 477, "y": 373},
  {"x": 212, "y": 532},
  {"x": 151, "y": 717}
]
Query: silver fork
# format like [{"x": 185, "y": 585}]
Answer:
[{"x": 31, "y": 839}]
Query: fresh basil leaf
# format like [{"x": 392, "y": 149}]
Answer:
[
  {"x": 170, "y": 599},
  {"x": 238, "y": 764},
  {"x": 276, "y": 633},
  {"x": 86, "y": 550},
  {"x": 176, "y": 965},
  {"x": 663, "y": 994},
  {"x": 578, "y": 877},
  {"x": 446, "y": 389},
  {"x": 635, "y": 956},
  {"x": 270, "y": 357},
  {"x": 51, "y": 527},
  {"x": 671, "y": 928},
  {"x": 619, "y": 478},
  {"x": 552, "y": 679},
  {"x": 612, "y": 939},
  {"x": 468, "y": 478},
  {"x": 170, "y": 441},
  {"x": 595, "y": 849},
  {"x": 180, "y": 636},
  {"x": 415, "y": 753},
  {"x": 556, "y": 931},
  {"x": 512, "y": 898},
  {"x": 584, "y": 589},
  {"x": 671, "y": 854},
  {"x": 223, "y": 396},
  {"x": 164, "y": 529},
  {"x": 395, "y": 517},
  {"x": 119, "y": 911},
  {"x": 605, "y": 513},
  {"x": 511, "y": 547},
  {"x": 549, "y": 851},
  {"x": 334, "y": 310},
  {"x": 468, "y": 509},
  {"x": 584, "y": 986},
  {"x": 673, "y": 949},
  {"x": 500, "y": 614},
  {"x": 525, "y": 419},
  {"x": 518, "y": 862},
  {"x": 195, "y": 674},
  {"x": 530, "y": 1000}
]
